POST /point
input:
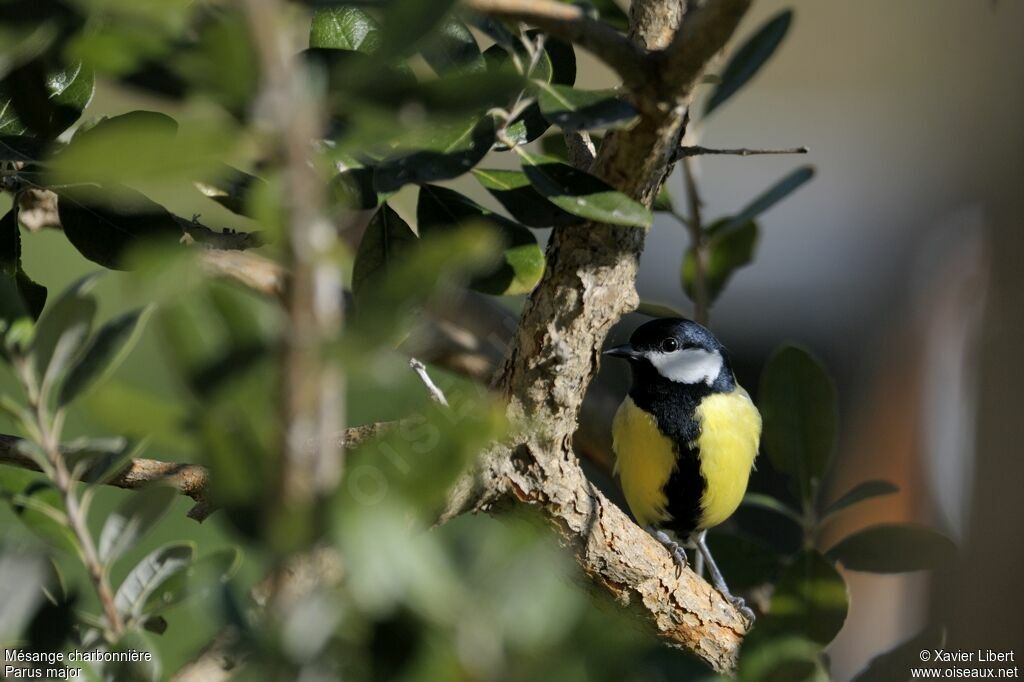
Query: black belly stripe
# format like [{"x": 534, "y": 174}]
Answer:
[{"x": 674, "y": 407}]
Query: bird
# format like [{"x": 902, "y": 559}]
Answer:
[{"x": 685, "y": 437}]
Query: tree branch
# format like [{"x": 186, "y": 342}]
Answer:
[
  {"x": 696, "y": 150},
  {"x": 589, "y": 284},
  {"x": 191, "y": 480},
  {"x": 571, "y": 23}
]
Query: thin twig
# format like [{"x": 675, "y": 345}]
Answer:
[
  {"x": 571, "y": 23},
  {"x": 696, "y": 150},
  {"x": 436, "y": 394},
  {"x": 695, "y": 227}
]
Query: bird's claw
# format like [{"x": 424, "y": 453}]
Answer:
[
  {"x": 740, "y": 605},
  {"x": 675, "y": 550}
]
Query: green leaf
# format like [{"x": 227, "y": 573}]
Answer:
[
  {"x": 42, "y": 100},
  {"x": 441, "y": 209},
  {"x": 655, "y": 309},
  {"x": 749, "y": 563},
  {"x": 105, "y": 223},
  {"x": 232, "y": 189},
  {"x": 155, "y": 569},
  {"x": 859, "y": 493},
  {"x": 581, "y": 194},
  {"x": 781, "y": 659},
  {"x": 772, "y": 196},
  {"x": 407, "y": 22},
  {"x": 21, "y": 297},
  {"x": 353, "y": 189},
  {"x": 452, "y": 49},
  {"x": 772, "y": 504},
  {"x": 108, "y": 348},
  {"x": 20, "y": 593},
  {"x": 132, "y": 519},
  {"x": 41, "y": 509},
  {"x": 62, "y": 331},
  {"x": 728, "y": 249},
  {"x": 445, "y": 152},
  {"x": 609, "y": 12},
  {"x": 198, "y": 579},
  {"x": 809, "y": 601},
  {"x": 749, "y": 59},
  {"x": 663, "y": 202},
  {"x": 344, "y": 28},
  {"x": 142, "y": 147},
  {"x": 574, "y": 109},
  {"x": 530, "y": 124},
  {"x": 387, "y": 238},
  {"x": 894, "y": 548},
  {"x": 798, "y": 406},
  {"x": 894, "y": 665},
  {"x": 513, "y": 190}
]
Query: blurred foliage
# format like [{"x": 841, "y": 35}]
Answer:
[{"x": 415, "y": 94}]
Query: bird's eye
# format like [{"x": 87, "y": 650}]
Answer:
[{"x": 669, "y": 345}]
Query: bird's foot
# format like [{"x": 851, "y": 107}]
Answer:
[
  {"x": 676, "y": 550},
  {"x": 745, "y": 611}
]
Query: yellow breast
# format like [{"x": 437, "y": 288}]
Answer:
[
  {"x": 730, "y": 430},
  {"x": 644, "y": 459}
]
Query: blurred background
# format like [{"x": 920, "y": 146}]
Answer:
[{"x": 895, "y": 265}]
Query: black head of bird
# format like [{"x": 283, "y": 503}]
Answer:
[{"x": 675, "y": 352}]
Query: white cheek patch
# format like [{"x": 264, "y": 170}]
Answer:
[{"x": 688, "y": 366}]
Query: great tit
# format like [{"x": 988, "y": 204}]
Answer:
[{"x": 685, "y": 437}]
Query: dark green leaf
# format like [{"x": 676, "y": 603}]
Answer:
[
  {"x": 563, "y": 61},
  {"x": 773, "y": 195},
  {"x": 452, "y": 48},
  {"x": 223, "y": 63},
  {"x": 441, "y": 209},
  {"x": 749, "y": 59},
  {"x": 530, "y": 124},
  {"x": 20, "y": 592},
  {"x": 111, "y": 343},
  {"x": 772, "y": 504},
  {"x": 798, "y": 404},
  {"x": 574, "y": 109},
  {"x": 353, "y": 189},
  {"x": 809, "y": 601},
  {"x": 581, "y": 194},
  {"x": 727, "y": 251},
  {"x": 446, "y": 152},
  {"x": 894, "y": 548},
  {"x": 42, "y": 100},
  {"x": 20, "y": 148},
  {"x": 344, "y": 28},
  {"x": 513, "y": 189},
  {"x": 663, "y": 202},
  {"x": 41, "y": 509},
  {"x": 781, "y": 659},
  {"x": 198, "y": 579},
  {"x": 609, "y": 12},
  {"x": 748, "y": 563},
  {"x": 232, "y": 188},
  {"x": 62, "y": 330},
  {"x": 407, "y": 22},
  {"x": 154, "y": 570},
  {"x": 860, "y": 492},
  {"x": 132, "y": 519},
  {"x": 654, "y": 309},
  {"x": 21, "y": 296},
  {"x": 895, "y": 665},
  {"x": 387, "y": 238},
  {"x": 105, "y": 223}
]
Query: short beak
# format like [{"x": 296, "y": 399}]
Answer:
[{"x": 624, "y": 351}]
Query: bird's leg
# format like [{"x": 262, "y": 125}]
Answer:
[
  {"x": 673, "y": 547},
  {"x": 700, "y": 540}
]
